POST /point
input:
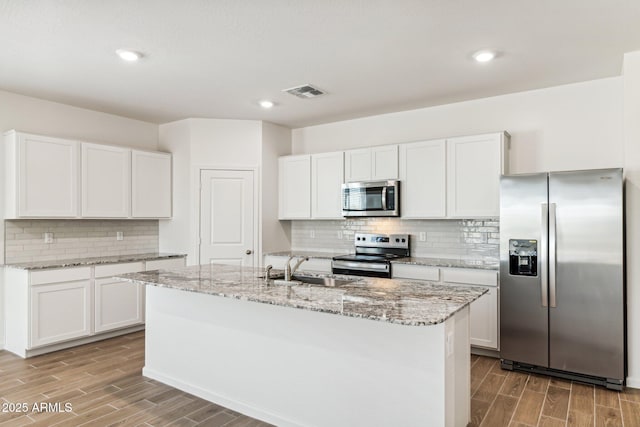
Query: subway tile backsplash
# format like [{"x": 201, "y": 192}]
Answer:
[
  {"x": 24, "y": 239},
  {"x": 446, "y": 238}
]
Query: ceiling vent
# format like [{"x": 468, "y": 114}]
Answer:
[{"x": 305, "y": 91}]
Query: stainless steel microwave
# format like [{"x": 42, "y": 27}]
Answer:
[{"x": 371, "y": 198}]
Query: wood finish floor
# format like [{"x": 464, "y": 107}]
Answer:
[
  {"x": 104, "y": 386},
  {"x": 514, "y": 399}
]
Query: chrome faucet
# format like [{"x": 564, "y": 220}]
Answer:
[
  {"x": 288, "y": 271},
  {"x": 267, "y": 272}
]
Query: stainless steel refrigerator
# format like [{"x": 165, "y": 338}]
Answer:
[{"x": 562, "y": 294}]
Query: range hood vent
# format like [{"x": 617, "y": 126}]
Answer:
[{"x": 305, "y": 91}]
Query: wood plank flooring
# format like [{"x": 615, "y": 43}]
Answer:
[
  {"x": 103, "y": 384},
  {"x": 513, "y": 399}
]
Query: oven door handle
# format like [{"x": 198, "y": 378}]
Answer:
[{"x": 364, "y": 266}]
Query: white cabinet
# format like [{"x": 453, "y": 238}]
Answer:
[
  {"x": 150, "y": 184},
  {"x": 294, "y": 187},
  {"x": 415, "y": 272},
  {"x": 165, "y": 264},
  {"x": 374, "y": 163},
  {"x": 316, "y": 265},
  {"x": 117, "y": 304},
  {"x": 41, "y": 176},
  {"x": 484, "y": 320},
  {"x": 474, "y": 165},
  {"x": 106, "y": 181},
  {"x": 327, "y": 176},
  {"x": 60, "y": 306},
  {"x": 483, "y": 311},
  {"x": 423, "y": 179}
]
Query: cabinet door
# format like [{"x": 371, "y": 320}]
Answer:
[
  {"x": 474, "y": 165},
  {"x": 484, "y": 320},
  {"x": 384, "y": 162},
  {"x": 47, "y": 177},
  {"x": 423, "y": 179},
  {"x": 106, "y": 181},
  {"x": 295, "y": 187},
  {"x": 165, "y": 264},
  {"x": 117, "y": 304},
  {"x": 150, "y": 184},
  {"x": 357, "y": 165},
  {"x": 327, "y": 173},
  {"x": 60, "y": 312}
]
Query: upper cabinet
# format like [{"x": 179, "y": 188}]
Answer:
[
  {"x": 327, "y": 173},
  {"x": 41, "y": 175},
  {"x": 370, "y": 164},
  {"x": 106, "y": 181},
  {"x": 294, "y": 181},
  {"x": 150, "y": 184},
  {"x": 443, "y": 178},
  {"x": 423, "y": 179},
  {"x": 49, "y": 177},
  {"x": 474, "y": 165}
]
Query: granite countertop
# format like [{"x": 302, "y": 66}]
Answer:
[
  {"x": 430, "y": 262},
  {"x": 449, "y": 263},
  {"x": 310, "y": 254},
  {"x": 78, "y": 262},
  {"x": 405, "y": 302}
]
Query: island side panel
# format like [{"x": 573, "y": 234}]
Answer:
[{"x": 295, "y": 367}]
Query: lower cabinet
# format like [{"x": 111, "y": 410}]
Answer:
[
  {"x": 60, "y": 311},
  {"x": 483, "y": 314},
  {"x": 117, "y": 304},
  {"x": 47, "y": 310}
]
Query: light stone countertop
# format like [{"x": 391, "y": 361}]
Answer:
[
  {"x": 79, "y": 262},
  {"x": 430, "y": 262},
  {"x": 405, "y": 302}
]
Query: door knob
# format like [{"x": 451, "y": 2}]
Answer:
[{"x": 248, "y": 252}]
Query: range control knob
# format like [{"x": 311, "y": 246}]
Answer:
[
  {"x": 397, "y": 240},
  {"x": 403, "y": 240}
]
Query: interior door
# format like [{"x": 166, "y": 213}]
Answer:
[{"x": 227, "y": 217}]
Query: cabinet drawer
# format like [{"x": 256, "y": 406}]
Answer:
[
  {"x": 416, "y": 272},
  {"x": 165, "y": 263},
  {"x": 319, "y": 265},
  {"x": 113, "y": 269},
  {"x": 276, "y": 261},
  {"x": 470, "y": 276},
  {"x": 61, "y": 275}
]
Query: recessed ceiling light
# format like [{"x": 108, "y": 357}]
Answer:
[
  {"x": 266, "y": 104},
  {"x": 484, "y": 55},
  {"x": 128, "y": 55}
]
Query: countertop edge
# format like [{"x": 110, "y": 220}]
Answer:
[{"x": 91, "y": 261}]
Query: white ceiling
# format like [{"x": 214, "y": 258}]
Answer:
[{"x": 217, "y": 58}]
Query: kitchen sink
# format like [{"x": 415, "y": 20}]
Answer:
[{"x": 324, "y": 281}]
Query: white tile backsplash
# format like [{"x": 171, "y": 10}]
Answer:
[
  {"x": 24, "y": 239},
  {"x": 446, "y": 238}
]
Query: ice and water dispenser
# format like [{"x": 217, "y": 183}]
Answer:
[{"x": 523, "y": 257}]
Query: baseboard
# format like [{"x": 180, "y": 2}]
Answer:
[
  {"x": 485, "y": 352},
  {"x": 74, "y": 343},
  {"x": 633, "y": 382},
  {"x": 226, "y": 402}
]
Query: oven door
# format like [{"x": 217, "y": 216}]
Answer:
[
  {"x": 370, "y": 198},
  {"x": 356, "y": 268}
]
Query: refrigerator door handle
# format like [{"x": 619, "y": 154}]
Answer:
[
  {"x": 544, "y": 245},
  {"x": 552, "y": 255}
]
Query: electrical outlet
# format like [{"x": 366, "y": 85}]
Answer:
[
  {"x": 449, "y": 343},
  {"x": 48, "y": 237},
  {"x": 423, "y": 236},
  {"x": 119, "y": 235},
  {"x": 312, "y": 234}
]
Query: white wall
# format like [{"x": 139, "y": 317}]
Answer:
[
  {"x": 577, "y": 126},
  {"x": 202, "y": 144},
  {"x": 632, "y": 173},
  {"x": 276, "y": 142},
  {"x": 38, "y": 116}
]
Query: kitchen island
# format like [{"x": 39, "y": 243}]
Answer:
[{"x": 374, "y": 352}]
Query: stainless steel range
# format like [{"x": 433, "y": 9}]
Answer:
[{"x": 373, "y": 256}]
